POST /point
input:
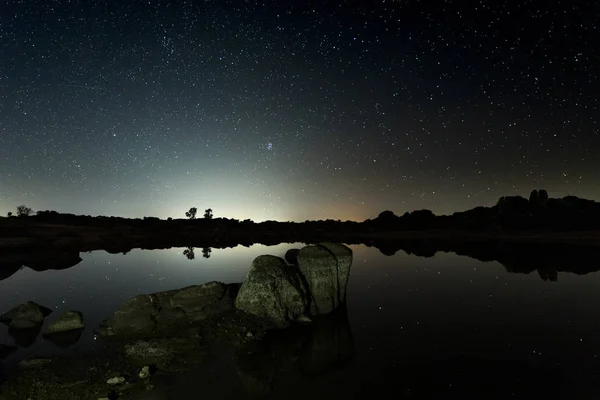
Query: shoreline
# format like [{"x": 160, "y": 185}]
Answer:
[{"x": 85, "y": 238}]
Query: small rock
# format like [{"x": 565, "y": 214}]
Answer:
[
  {"x": 10, "y": 315},
  {"x": 303, "y": 319},
  {"x": 34, "y": 362},
  {"x": 144, "y": 373},
  {"x": 117, "y": 380},
  {"x": 69, "y": 320},
  {"x": 249, "y": 335},
  {"x": 25, "y": 316}
]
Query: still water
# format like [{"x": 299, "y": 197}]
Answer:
[{"x": 419, "y": 327}]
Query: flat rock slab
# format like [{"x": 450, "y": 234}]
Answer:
[{"x": 161, "y": 313}]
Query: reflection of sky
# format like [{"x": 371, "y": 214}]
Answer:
[{"x": 402, "y": 309}]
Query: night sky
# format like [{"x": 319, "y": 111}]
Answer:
[{"x": 295, "y": 110}]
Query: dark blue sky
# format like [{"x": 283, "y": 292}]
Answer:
[{"x": 295, "y": 110}]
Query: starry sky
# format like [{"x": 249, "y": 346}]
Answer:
[{"x": 295, "y": 110}]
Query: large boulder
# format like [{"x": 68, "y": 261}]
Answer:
[
  {"x": 343, "y": 255},
  {"x": 155, "y": 314},
  {"x": 325, "y": 269},
  {"x": 272, "y": 290}
]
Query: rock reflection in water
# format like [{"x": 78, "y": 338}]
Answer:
[
  {"x": 64, "y": 339},
  {"x": 25, "y": 337},
  {"x": 520, "y": 258},
  {"x": 295, "y": 353},
  {"x": 37, "y": 260}
]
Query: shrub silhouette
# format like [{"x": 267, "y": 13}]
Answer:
[{"x": 24, "y": 211}]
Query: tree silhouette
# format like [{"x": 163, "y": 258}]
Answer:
[
  {"x": 189, "y": 253},
  {"x": 24, "y": 211},
  {"x": 9, "y": 214},
  {"x": 192, "y": 213},
  {"x": 206, "y": 252},
  {"x": 208, "y": 213}
]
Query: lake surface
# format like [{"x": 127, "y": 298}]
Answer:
[{"x": 443, "y": 325}]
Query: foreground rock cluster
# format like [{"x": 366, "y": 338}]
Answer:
[
  {"x": 274, "y": 292},
  {"x": 176, "y": 330},
  {"x": 26, "y": 320},
  {"x": 314, "y": 284}
]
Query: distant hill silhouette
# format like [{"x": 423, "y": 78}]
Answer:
[
  {"x": 511, "y": 217},
  {"x": 511, "y": 213}
]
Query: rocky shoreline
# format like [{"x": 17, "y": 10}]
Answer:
[{"x": 276, "y": 321}]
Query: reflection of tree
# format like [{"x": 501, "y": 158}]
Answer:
[
  {"x": 206, "y": 252},
  {"x": 189, "y": 253}
]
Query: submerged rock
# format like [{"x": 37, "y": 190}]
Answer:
[
  {"x": 35, "y": 362},
  {"x": 272, "y": 290},
  {"x": 68, "y": 321},
  {"x": 325, "y": 269},
  {"x": 167, "y": 354}
]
